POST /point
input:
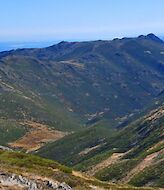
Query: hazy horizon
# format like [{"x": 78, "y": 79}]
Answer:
[
  {"x": 81, "y": 20},
  {"x": 10, "y": 45}
]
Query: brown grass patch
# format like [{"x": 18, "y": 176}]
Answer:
[{"x": 37, "y": 136}]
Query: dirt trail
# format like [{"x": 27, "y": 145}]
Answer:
[
  {"x": 81, "y": 175},
  {"x": 87, "y": 150},
  {"x": 96, "y": 188},
  {"x": 149, "y": 160},
  {"x": 106, "y": 163},
  {"x": 88, "y": 178},
  {"x": 37, "y": 136}
]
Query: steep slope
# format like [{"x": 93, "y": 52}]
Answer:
[
  {"x": 129, "y": 155},
  {"x": 84, "y": 80},
  {"x": 142, "y": 164},
  {"x": 21, "y": 103}
]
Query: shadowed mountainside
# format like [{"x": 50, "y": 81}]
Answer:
[{"x": 81, "y": 81}]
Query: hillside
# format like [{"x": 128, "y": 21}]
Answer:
[
  {"x": 131, "y": 155},
  {"x": 81, "y": 81},
  {"x": 19, "y": 171}
]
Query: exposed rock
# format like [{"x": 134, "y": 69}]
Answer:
[
  {"x": 28, "y": 184},
  {"x": 11, "y": 180},
  {"x": 5, "y": 148},
  {"x": 64, "y": 186}
]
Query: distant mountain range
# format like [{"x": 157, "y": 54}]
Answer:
[{"x": 86, "y": 104}]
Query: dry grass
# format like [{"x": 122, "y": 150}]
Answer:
[
  {"x": 115, "y": 157},
  {"x": 37, "y": 136}
]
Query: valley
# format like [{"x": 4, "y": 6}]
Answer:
[{"x": 86, "y": 114}]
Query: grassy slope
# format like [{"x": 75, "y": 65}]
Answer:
[
  {"x": 67, "y": 150},
  {"x": 10, "y": 130},
  {"x": 19, "y": 104},
  {"x": 23, "y": 164},
  {"x": 144, "y": 135},
  {"x": 138, "y": 136}
]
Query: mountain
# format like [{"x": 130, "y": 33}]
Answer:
[
  {"x": 83, "y": 80},
  {"x": 96, "y": 106}
]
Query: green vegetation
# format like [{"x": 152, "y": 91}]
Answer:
[
  {"x": 19, "y": 106},
  {"x": 20, "y": 163},
  {"x": 153, "y": 175},
  {"x": 68, "y": 149},
  {"x": 88, "y": 163},
  {"x": 31, "y": 163},
  {"x": 116, "y": 171},
  {"x": 101, "y": 92},
  {"x": 66, "y": 84},
  {"x": 141, "y": 138},
  {"x": 10, "y": 130}
]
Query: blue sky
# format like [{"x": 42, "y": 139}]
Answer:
[{"x": 45, "y": 20}]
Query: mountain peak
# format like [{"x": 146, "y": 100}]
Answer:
[{"x": 151, "y": 36}]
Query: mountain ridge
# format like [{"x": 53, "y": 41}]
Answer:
[{"x": 86, "y": 104}]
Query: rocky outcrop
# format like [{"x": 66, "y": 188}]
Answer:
[
  {"x": 12, "y": 180},
  {"x": 58, "y": 186},
  {"x": 28, "y": 184},
  {"x": 5, "y": 148}
]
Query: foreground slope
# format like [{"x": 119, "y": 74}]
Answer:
[{"x": 20, "y": 171}]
